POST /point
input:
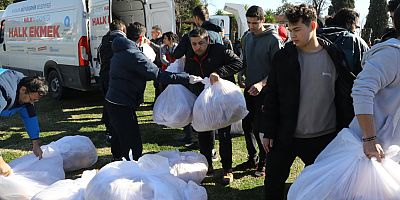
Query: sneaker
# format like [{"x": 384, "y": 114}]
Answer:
[
  {"x": 227, "y": 177},
  {"x": 260, "y": 172},
  {"x": 214, "y": 155},
  {"x": 248, "y": 165},
  {"x": 192, "y": 145}
]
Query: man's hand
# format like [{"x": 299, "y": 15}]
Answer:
[
  {"x": 373, "y": 149},
  {"x": 268, "y": 143},
  {"x": 256, "y": 89},
  {"x": 36, "y": 149},
  {"x": 214, "y": 77},
  {"x": 194, "y": 79},
  {"x": 5, "y": 169}
]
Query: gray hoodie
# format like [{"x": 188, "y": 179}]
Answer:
[
  {"x": 258, "y": 51},
  {"x": 376, "y": 91}
]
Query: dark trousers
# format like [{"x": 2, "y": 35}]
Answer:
[
  {"x": 250, "y": 125},
  {"x": 158, "y": 89},
  {"x": 126, "y": 134},
  {"x": 188, "y": 130},
  {"x": 104, "y": 86},
  {"x": 280, "y": 159},
  {"x": 206, "y": 144}
]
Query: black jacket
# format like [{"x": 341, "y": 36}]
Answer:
[
  {"x": 217, "y": 59},
  {"x": 352, "y": 45},
  {"x": 281, "y": 105},
  {"x": 129, "y": 71},
  {"x": 184, "y": 47},
  {"x": 105, "y": 53}
]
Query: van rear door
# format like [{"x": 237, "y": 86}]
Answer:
[
  {"x": 99, "y": 20},
  {"x": 162, "y": 13}
]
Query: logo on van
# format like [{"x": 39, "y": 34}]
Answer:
[{"x": 67, "y": 21}]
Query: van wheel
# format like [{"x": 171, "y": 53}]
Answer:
[{"x": 56, "y": 90}]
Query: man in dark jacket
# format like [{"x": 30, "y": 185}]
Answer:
[
  {"x": 200, "y": 17},
  {"x": 129, "y": 71},
  {"x": 105, "y": 54},
  {"x": 17, "y": 95},
  {"x": 214, "y": 59},
  {"x": 342, "y": 34},
  {"x": 307, "y": 99}
]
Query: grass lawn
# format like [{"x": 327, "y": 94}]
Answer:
[{"x": 81, "y": 115}]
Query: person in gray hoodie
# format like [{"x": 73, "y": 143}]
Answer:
[
  {"x": 376, "y": 96},
  {"x": 259, "y": 47}
]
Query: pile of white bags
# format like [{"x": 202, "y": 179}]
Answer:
[
  {"x": 188, "y": 166},
  {"x": 342, "y": 171},
  {"x": 218, "y": 106},
  {"x": 149, "y": 178},
  {"x": 31, "y": 175},
  {"x": 173, "y": 108},
  {"x": 67, "y": 189},
  {"x": 78, "y": 152}
]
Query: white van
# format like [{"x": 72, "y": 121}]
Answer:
[{"x": 58, "y": 39}]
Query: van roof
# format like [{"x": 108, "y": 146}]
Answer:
[{"x": 37, "y": 6}]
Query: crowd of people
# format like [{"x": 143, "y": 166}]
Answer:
[{"x": 300, "y": 91}]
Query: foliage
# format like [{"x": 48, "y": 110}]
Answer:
[
  {"x": 4, "y": 4},
  {"x": 377, "y": 18},
  {"x": 269, "y": 16},
  {"x": 281, "y": 10},
  {"x": 339, "y": 4}
]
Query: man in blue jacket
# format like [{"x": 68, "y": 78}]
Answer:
[
  {"x": 17, "y": 95},
  {"x": 129, "y": 71}
]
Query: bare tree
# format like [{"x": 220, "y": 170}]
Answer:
[{"x": 319, "y": 5}]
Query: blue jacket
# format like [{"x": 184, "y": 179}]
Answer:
[
  {"x": 9, "y": 104},
  {"x": 129, "y": 71}
]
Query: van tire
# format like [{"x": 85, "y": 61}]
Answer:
[{"x": 56, "y": 90}]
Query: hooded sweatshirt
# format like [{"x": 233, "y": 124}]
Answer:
[
  {"x": 376, "y": 91},
  {"x": 258, "y": 51}
]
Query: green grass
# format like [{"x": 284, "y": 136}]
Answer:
[{"x": 81, "y": 115}]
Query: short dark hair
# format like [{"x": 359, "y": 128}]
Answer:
[
  {"x": 329, "y": 21},
  {"x": 117, "y": 24},
  {"x": 134, "y": 31},
  {"x": 396, "y": 19},
  {"x": 35, "y": 84},
  {"x": 392, "y": 5},
  {"x": 302, "y": 11},
  {"x": 201, "y": 12},
  {"x": 255, "y": 11},
  {"x": 345, "y": 18},
  {"x": 157, "y": 28},
  {"x": 199, "y": 32},
  {"x": 171, "y": 36}
]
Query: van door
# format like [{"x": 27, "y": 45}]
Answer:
[
  {"x": 3, "y": 52},
  {"x": 99, "y": 20},
  {"x": 16, "y": 35},
  {"x": 162, "y": 13}
]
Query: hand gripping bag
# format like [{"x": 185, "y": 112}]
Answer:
[
  {"x": 31, "y": 175},
  {"x": 218, "y": 106},
  {"x": 342, "y": 171}
]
